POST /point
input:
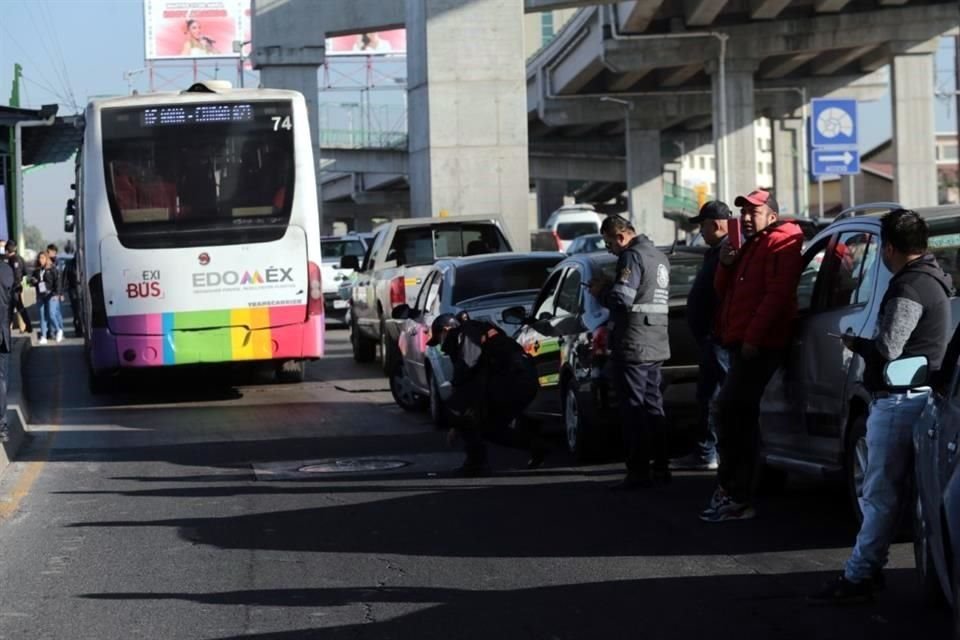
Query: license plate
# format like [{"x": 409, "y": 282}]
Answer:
[{"x": 341, "y": 304}]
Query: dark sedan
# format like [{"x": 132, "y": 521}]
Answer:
[{"x": 567, "y": 335}]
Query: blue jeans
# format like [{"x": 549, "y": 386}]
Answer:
[
  {"x": 887, "y": 476},
  {"x": 50, "y": 315},
  {"x": 707, "y": 448}
]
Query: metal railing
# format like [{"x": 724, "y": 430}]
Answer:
[{"x": 362, "y": 139}]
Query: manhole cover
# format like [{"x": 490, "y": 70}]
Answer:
[{"x": 353, "y": 465}]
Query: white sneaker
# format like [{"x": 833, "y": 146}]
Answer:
[
  {"x": 60, "y": 335},
  {"x": 43, "y": 340}
]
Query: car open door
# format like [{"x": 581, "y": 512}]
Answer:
[{"x": 544, "y": 349}]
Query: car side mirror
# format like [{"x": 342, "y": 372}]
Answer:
[
  {"x": 906, "y": 373},
  {"x": 514, "y": 315},
  {"x": 350, "y": 262},
  {"x": 401, "y": 312}
]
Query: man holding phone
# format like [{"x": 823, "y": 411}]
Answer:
[{"x": 757, "y": 288}]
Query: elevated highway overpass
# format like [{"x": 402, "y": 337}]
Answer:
[{"x": 608, "y": 97}]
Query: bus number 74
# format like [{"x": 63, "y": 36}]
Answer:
[{"x": 281, "y": 121}]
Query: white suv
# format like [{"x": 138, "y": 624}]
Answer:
[{"x": 570, "y": 222}]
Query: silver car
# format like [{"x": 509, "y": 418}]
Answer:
[{"x": 483, "y": 286}]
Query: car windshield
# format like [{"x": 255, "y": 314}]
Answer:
[
  {"x": 571, "y": 230},
  {"x": 333, "y": 250},
  {"x": 425, "y": 245},
  {"x": 501, "y": 277}
]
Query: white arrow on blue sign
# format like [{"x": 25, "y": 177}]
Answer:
[{"x": 835, "y": 162}]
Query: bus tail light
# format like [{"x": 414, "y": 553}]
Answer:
[
  {"x": 315, "y": 298},
  {"x": 398, "y": 291},
  {"x": 98, "y": 307}
]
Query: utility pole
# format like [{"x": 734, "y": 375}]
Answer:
[{"x": 8, "y": 178}]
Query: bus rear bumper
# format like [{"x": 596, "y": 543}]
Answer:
[{"x": 205, "y": 346}]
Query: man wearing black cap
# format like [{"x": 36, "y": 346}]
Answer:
[
  {"x": 493, "y": 382},
  {"x": 701, "y": 311},
  {"x": 757, "y": 288}
]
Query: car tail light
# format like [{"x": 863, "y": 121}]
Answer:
[
  {"x": 599, "y": 344},
  {"x": 398, "y": 292},
  {"x": 315, "y": 299},
  {"x": 556, "y": 238}
]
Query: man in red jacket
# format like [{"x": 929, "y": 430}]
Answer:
[{"x": 757, "y": 288}]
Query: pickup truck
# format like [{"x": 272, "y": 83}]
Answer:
[
  {"x": 333, "y": 248},
  {"x": 400, "y": 255}
]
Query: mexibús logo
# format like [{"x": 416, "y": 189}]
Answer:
[{"x": 273, "y": 275}]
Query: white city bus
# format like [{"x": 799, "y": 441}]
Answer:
[{"x": 198, "y": 238}]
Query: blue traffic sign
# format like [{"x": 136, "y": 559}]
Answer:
[
  {"x": 835, "y": 162},
  {"x": 834, "y": 123}
]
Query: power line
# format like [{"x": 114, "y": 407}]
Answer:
[
  {"x": 63, "y": 63},
  {"x": 25, "y": 52},
  {"x": 47, "y": 50}
]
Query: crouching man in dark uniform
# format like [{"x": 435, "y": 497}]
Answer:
[
  {"x": 639, "y": 307},
  {"x": 493, "y": 382}
]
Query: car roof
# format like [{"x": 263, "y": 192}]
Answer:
[
  {"x": 878, "y": 209},
  {"x": 498, "y": 257},
  {"x": 422, "y": 222}
]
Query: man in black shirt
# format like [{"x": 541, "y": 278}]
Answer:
[
  {"x": 493, "y": 382},
  {"x": 16, "y": 307}
]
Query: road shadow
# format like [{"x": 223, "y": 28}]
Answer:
[
  {"x": 717, "y": 607},
  {"x": 509, "y": 516}
]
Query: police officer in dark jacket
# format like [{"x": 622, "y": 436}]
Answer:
[
  {"x": 493, "y": 382},
  {"x": 16, "y": 301},
  {"x": 702, "y": 305},
  {"x": 638, "y": 301}
]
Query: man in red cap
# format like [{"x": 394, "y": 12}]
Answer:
[{"x": 757, "y": 288}]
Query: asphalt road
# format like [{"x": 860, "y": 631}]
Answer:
[{"x": 177, "y": 508}]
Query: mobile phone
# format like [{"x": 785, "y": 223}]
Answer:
[{"x": 733, "y": 230}]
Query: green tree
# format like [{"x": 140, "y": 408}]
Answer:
[{"x": 33, "y": 238}]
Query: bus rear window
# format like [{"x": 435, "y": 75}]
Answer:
[{"x": 177, "y": 173}]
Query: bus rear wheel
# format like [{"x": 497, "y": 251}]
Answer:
[{"x": 291, "y": 371}]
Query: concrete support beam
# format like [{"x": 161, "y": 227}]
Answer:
[
  {"x": 829, "y": 62},
  {"x": 536, "y": 6},
  {"x": 576, "y": 168},
  {"x": 577, "y": 65},
  {"x": 468, "y": 133},
  {"x": 645, "y": 184},
  {"x": 550, "y": 194},
  {"x": 626, "y": 81},
  {"x": 914, "y": 139},
  {"x": 829, "y": 6},
  {"x": 373, "y": 161},
  {"x": 700, "y": 13},
  {"x": 636, "y": 15},
  {"x": 789, "y": 178},
  {"x": 767, "y": 9},
  {"x": 892, "y": 3},
  {"x": 652, "y": 111},
  {"x": 678, "y": 75},
  {"x": 736, "y": 142},
  {"x": 786, "y": 65}
]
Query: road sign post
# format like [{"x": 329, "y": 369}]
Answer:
[{"x": 833, "y": 141}]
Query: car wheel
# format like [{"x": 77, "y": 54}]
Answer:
[
  {"x": 364, "y": 349},
  {"x": 579, "y": 434},
  {"x": 855, "y": 465},
  {"x": 923, "y": 558},
  {"x": 291, "y": 371},
  {"x": 401, "y": 387},
  {"x": 438, "y": 411},
  {"x": 389, "y": 353}
]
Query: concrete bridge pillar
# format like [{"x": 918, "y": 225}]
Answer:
[
  {"x": 645, "y": 184},
  {"x": 789, "y": 180},
  {"x": 735, "y": 139},
  {"x": 914, "y": 135},
  {"x": 467, "y": 111}
]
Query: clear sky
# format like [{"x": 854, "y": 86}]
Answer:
[{"x": 72, "y": 50}]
